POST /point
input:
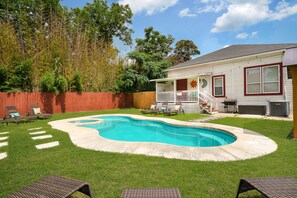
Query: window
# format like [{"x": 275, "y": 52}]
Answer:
[
  {"x": 218, "y": 88},
  {"x": 263, "y": 80}
]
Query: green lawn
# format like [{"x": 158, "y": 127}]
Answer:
[{"x": 109, "y": 173}]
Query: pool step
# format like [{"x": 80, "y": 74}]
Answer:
[
  {"x": 3, "y": 155},
  {"x": 41, "y": 137},
  {"x": 37, "y": 133},
  {"x": 47, "y": 145}
]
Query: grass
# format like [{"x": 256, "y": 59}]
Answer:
[{"x": 109, "y": 173}]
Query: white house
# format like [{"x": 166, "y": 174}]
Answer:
[{"x": 250, "y": 76}]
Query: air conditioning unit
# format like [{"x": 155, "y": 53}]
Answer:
[{"x": 279, "y": 108}]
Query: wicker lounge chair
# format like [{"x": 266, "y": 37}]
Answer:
[
  {"x": 173, "y": 110},
  {"x": 35, "y": 110},
  {"x": 14, "y": 115},
  {"x": 52, "y": 187},
  {"x": 150, "y": 110},
  {"x": 151, "y": 193},
  {"x": 278, "y": 187}
]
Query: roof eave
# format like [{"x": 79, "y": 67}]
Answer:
[{"x": 226, "y": 60}]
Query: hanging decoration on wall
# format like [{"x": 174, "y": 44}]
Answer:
[
  {"x": 193, "y": 83},
  {"x": 204, "y": 83}
]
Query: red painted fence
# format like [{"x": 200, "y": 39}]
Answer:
[{"x": 64, "y": 102}]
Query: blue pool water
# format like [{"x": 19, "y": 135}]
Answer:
[{"x": 128, "y": 129}]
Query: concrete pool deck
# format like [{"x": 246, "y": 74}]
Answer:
[{"x": 248, "y": 145}]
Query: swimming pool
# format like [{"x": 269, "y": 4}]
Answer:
[{"x": 127, "y": 129}]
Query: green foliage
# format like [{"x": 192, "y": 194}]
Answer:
[
  {"x": 22, "y": 76},
  {"x": 104, "y": 22},
  {"x": 48, "y": 83},
  {"x": 51, "y": 83},
  {"x": 3, "y": 79},
  {"x": 183, "y": 51},
  {"x": 155, "y": 43},
  {"x": 62, "y": 41},
  {"x": 75, "y": 83},
  {"x": 150, "y": 61},
  {"x": 130, "y": 81}
]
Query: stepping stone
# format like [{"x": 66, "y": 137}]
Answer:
[
  {"x": 47, "y": 145},
  {"x": 41, "y": 137},
  {"x": 3, "y": 144},
  {"x": 3, "y": 133},
  {"x": 35, "y": 128},
  {"x": 3, "y": 138},
  {"x": 37, "y": 133},
  {"x": 3, "y": 155}
]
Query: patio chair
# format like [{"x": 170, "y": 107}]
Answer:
[
  {"x": 174, "y": 110},
  {"x": 53, "y": 186},
  {"x": 151, "y": 193},
  {"x": 14, "y": 115},
  {"x": 35, "y": 110},
  {"x": 149, "y": 110},
  {"x": 273, "y": 187}
]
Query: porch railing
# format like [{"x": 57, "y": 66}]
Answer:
[{"x": 188, "y": 96}]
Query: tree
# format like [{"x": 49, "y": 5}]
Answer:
[
  {"x": 183, "y": 51},
  {"x": 149, "y": 62},
  {"x": 103, "y": 22}
]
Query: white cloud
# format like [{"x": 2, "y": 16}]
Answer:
[
  {"x": 213, "y": 6},
  {"x": 242, "y": 35},
  {"x": 241, "y": 13},
  {"x": 245, "y": 35},
  {"x": 148, "y": 6},
  {"x": 186, "y": 13}
]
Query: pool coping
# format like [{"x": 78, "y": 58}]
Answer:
[{"x": 248, "y": 145}]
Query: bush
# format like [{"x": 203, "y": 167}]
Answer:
[
  {"x": 76, "y": 83},
  {"x": 48, "y": 83}
]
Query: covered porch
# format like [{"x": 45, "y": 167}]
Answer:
[{"x": 191, "y": 90}]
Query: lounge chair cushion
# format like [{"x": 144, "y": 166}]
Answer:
[
  {"x": 153, "y": 107},
  {"x": 36, "y": 111},
  {"x": 176, "y": 107},
  {"x": 13, "y": 115}
]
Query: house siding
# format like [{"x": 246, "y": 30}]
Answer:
[{"x": 234, "y": 79}]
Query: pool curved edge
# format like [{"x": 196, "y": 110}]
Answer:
[{"x": 248, "y": 145}]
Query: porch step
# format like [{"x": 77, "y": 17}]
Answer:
[
  {"x": 4, "y": 133},
  {"x": 3, "y": 144},
  {"x": 37, "y": 128},
  {"x": 3, "y": 138}
]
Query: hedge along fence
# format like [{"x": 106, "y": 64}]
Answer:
[
  {"x": 143, "y": 100},
  {"x": 64, "y": 102}
]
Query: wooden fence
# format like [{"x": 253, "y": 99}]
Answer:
[
  {"x": 143, "y": 100},
  {"x": 65, "y": 102}
]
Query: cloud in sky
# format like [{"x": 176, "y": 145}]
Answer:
[
  {"x": 241, "y": 13},
  {"x": 245, "y": 35},
  {"x": 186, "y": 13},
  {"x": 148, "y": 6}
]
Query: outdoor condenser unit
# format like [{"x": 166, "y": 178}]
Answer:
[{"x": 279, "y": 108}]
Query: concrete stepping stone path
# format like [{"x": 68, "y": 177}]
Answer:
[
  {"x": 32, "y": 129},
  {"x": 37, "y": 133},
  {"x": 47, "y": 145},
  {"x": 3, "y": 138},
  {"x": 3, "y": 144},
  {"x": 3, "y": 155},
  {"x": 41, "y": 137},
  {"x": 4, "y": 133}
]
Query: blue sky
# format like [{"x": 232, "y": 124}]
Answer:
[{"x": 213, "y": 24}]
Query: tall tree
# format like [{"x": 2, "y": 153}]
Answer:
[
  {"x": 149, "y": 62},
  {"x": 183, "y": 51},
  {"x": 104, "y": 22}
]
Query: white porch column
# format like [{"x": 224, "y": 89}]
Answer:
[
  {"x": 157, "y": 91},
  {"x": 198, "y": 89},
  {"x": 174, "y": 89}
]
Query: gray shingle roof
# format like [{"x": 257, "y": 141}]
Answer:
[{"x": 233, "y": 51}]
